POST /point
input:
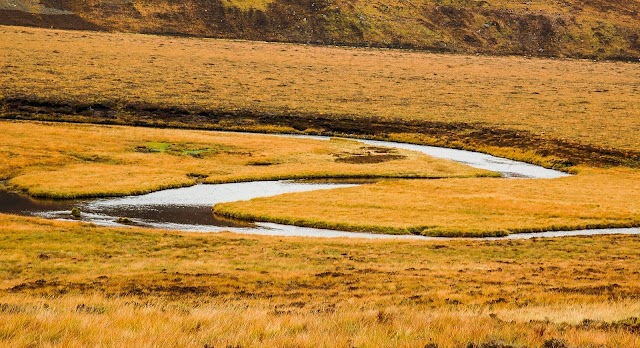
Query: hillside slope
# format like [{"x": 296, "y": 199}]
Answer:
[
  {"x": 603, "y": 29},
  {"x": 554, "y": 112}
]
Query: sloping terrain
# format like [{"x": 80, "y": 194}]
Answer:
[
  {"x": 554, "y": 112},
  {"x": 569, "y": 28}
]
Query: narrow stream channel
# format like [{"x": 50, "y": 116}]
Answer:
[{"x": 190, "y": 208}]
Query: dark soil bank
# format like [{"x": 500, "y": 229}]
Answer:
[{"x": 456, "y": 135}]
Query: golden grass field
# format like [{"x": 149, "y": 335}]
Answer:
[
  {"x": 76, "y": 285},
  {"x": 589, "y": 103},
  {"x": 460, "y": 207},
  {"x": 78, "y": 160},
  {"x": 595, "y": 104},
  {"x": 70, "y": 161}
]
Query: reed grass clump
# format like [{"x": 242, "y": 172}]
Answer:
[{"x": 75, "y": 212}]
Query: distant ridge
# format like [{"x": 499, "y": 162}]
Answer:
[{"x": 598, "y": 29}]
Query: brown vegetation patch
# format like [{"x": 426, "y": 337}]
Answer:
[
  {"x": 368, "y": 158},
  {"x": 592, "y": 290},
  {"x": 55, "y": 287},
  {"x": 631, "y": 324},
  {"x": 62, "y": 21},
  {"x": 369, "y": 155}
]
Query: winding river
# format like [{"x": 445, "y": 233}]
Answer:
[{"x": 189, "y": 208}]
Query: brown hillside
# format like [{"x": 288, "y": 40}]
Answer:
[{"x": 569, "y": 28}]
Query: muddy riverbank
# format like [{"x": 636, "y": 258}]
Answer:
[{"x": 557, "y": 153}]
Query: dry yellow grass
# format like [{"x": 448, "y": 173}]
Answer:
[
  {"x": 475, "y": 207},
  {"x": 571, "y": 28},
  {"x": 64, "y": 284},
  {"x": 66, "y": 160},
  {"x": 77, "y": 285},
  {"x": 585, "y": 102},
  {"x": 594, "y": 104}
]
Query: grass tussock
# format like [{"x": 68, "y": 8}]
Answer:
[
  {"x": 72, "y": 160},
  {"x": 75, "y": 285},
  {"x": 595, "y": 198}
]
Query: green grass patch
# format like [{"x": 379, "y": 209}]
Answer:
[{"x": 179, "y": 149}]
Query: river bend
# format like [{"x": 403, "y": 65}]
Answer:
[{"x": 189, "y": 208}]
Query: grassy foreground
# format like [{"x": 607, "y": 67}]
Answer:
[
  {"x": 553, "y": 112},
  {"x": 77, "y": 285},
  {"x": 70, "y": 160},
  {"x": 595, "y": 198}
]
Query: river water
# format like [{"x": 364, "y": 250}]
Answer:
[{"x": 190, "y": 208}]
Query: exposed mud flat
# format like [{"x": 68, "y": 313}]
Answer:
[
  {"x": 186, "y": 209},
  {"x": 15, "y": 203}
]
